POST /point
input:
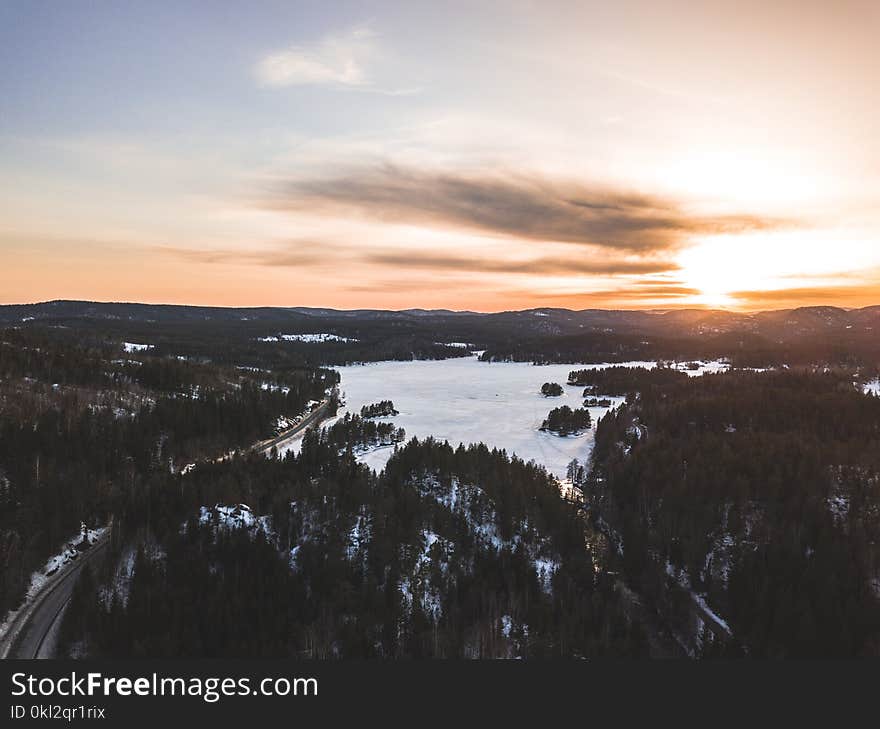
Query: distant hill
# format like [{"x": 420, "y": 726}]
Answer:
[
  {"x": 816, "y": 333},
  {"x": 804, "y": 319}
]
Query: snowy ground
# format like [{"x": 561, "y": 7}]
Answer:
[
  {"x": 706, "y": 367},
  {"x": 872, "y": 388},
  {"x": 463, "y": 400},
  {"x": 308, "y": 338},
  {"x": 67, "y": 555}
]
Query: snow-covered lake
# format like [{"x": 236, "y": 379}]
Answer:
[{"x": 467, "y": 401}]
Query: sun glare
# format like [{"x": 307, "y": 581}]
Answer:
[
  {"x": 721, "y": 267},
  {"x": 716, "y": 268}
]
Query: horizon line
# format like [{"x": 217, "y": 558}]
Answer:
[{"x": 707, "y": 309}]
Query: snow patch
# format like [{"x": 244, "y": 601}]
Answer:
[
  {"x": 545, "y": 569},
  {"x": 838, "y": 505},
  {"x": 307, "y": 338},
  {"x": 237, "y": 516}
]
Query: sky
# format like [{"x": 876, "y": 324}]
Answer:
[{"x": 484, "y": 156}]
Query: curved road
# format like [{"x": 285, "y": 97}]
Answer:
[{"x": 33, "y": 631}]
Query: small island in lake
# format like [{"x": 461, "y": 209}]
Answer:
[
  {"x": 565, "y": 421},
  {"x": 551, "y": 389},
  {"x": 381, "y": 409}
]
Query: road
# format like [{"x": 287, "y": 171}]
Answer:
[
  {"x": 33, "y": 632},
  {"x": 313, "y": 418}
]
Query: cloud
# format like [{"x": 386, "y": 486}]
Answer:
[
  {"x": 857, "y": 295},
  {"x": 300, "y": 254},
  {"x": 638, "y": 295},
  {"x": 662, "y": 289},
  {"x": 562, "y": 266},
  {"x": 519, "y": 205},
  {"x": 335, "y": 59},
  {"x": 306, "y": 253},
  {"x": 396, "y": 286}
]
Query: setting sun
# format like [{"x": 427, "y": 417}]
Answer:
[{"x": 730, "y": 270}]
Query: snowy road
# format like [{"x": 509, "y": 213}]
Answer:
[
  {"x": 283, "y": 441},
  {"x": 33, "y": 632}
]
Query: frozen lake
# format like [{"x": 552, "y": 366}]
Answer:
[{"x": 468, "y": 401}]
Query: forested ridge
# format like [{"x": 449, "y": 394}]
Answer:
[
  {"x": 257, "y": 336},
  {"x": 77, "y": 429},
  {"x": 624, "y": 380},
  {"x": 758, "y": 491},
  {"x": 448, "y": 553}
]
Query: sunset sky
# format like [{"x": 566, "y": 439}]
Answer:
[{"x": 484, "y": 156}]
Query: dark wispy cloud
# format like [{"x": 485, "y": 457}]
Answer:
[
  {"x": 560, "y": 265},
  {"x": 650, "y": 290},
  {"x": 303, "y": 254},
  {"x": 520, "y": 205}
]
